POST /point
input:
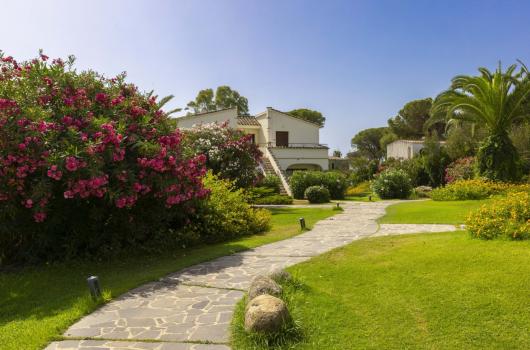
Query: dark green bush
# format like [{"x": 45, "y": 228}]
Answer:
[
  {"x": 334, "y": 182},
  {"x": 317, "y": 194},
  {"x": 392, "y": 184}
]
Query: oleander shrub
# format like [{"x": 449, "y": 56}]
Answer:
[
  {"x": 230, "y": 154},
  {"x": 226, "y": 214},
  {"x": 507, "y": 218},
  {"x": 392, "y": 184},
  {"x": 475, "y": 189},
  {"x": 317, "y": 194},
  {"x": 335, "y": 183},
  {"x": 89, "y": 165},
  {"x": 460, "y": 169},
  {"x": 360, "y": 189}
]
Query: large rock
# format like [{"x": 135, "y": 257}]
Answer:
[
  {"x": 265, "y": 314},
  {"x": 263, "y": 285},
  {"x": 279, "y": 275}
]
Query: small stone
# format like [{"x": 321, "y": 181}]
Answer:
[
  {"x": 279, "y": 275},
  {"x": 263, "y": 285},
  {"x": 265, "y": 314}
]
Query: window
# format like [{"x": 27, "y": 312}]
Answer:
[
  {"x": 253, "y": 138},
  {"x": 282, "y": 139}
]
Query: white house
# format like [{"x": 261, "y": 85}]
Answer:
[
  {"x": 403, "y": 149},
  {"x": 288, "y": 143}
]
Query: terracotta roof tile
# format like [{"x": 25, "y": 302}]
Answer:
[{"x": 247, "y": 120}]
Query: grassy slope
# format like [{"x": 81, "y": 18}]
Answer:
[
  {"x": 436, "y": 291},
  {"x": 430, "y": 212},
  {"x": 38, "y": 304}
]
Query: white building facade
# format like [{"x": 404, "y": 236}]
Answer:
[{"x": 288, "y": 143}]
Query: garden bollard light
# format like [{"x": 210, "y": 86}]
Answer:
[
  {"x": 370, "y": 198},
  {"x": 93, "y": 286},
  {"x": 338, "y": 205},
  {"x": 302, "y": 223}
]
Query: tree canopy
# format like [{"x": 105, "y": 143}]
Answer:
[
  {"x": 410, "y": 122},
  {"x": 224, "y": 97},
  {"x": 309, "y": 115},
  {"x": 368, "y": 144}
]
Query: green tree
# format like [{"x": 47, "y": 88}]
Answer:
[
  {"x": 494, "y": 100},
  {"x": 309, "y": 115},
  {"x": 435, "y": 160},
  {"x": 410, "y": 123},
  {"x": 224, "y": 97},
  {"x": 367, "y": 143}
]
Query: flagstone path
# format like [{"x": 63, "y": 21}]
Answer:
[{"x": 192, "y": 308}]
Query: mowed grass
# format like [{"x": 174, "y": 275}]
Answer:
[
  {"x": 426, "y": 291},
  {"x": 430, "y": 212},
  {"x": 38, "y": 304}
]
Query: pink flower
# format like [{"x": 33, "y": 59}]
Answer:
[
  {"x": 39, "y": 216},
  {"x": 101, "y": 97},
  {"x": 28, "y": 203},
  {"x": 21, "y": 146},
  {"x": 71, "y": 164}
]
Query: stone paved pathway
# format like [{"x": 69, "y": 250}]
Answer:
[{"x": 192, "y": 309}]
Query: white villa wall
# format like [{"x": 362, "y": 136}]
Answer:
[
  {"x": 287, "y": 157},
  {"x": 219, "y": 117},
  {"x": 300, "y": 131},
  {"x": 403, "y": 149}
]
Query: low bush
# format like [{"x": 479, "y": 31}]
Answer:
[
  {"x": 317, "y": 194},
  {"x": 474, "y": 189},
  {"x": 392, "y": 184},
  {"x": 271, "y": 181},
  {"x": 334, "y": 182},
  {"x": 360, "y": 189},
  {"x": 226, "y": 214},
  {"x": 460, "y": 169},
  {"x": 507, "y": 218}
]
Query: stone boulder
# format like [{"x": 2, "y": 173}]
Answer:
[
  {"x": 263, "y": 285},
  {"x": 265, "y": 314},
  {"x": 279, "y": 275}
]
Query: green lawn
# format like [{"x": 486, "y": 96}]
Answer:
[
  {"x": 38, "y": 304},
  {"x": 426, "y": 291},
  {"x": 430, "y": 212}
]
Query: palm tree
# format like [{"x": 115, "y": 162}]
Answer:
[{"x": 497, "y": 101}]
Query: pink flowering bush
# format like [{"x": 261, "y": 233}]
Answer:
[
  {"x": 88, "y": 165},
  {"x": 229, "y": 153},
  {"x": 460, "y": 169}
]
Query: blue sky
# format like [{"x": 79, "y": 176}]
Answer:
[{"x": 357, "y": 62}]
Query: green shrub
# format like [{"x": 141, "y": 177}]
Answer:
[
  {"x": 506, "y": 217},
  {"x": 271, "y": 181},
  {"x": 474, "y": 189},
  {"x": 335, "y": 183},
  {"x": 422, "y": 192},
  {"x": 414, "y": 168},
  {"x": 317, "y": 194},
  {"x": 392, "y": 184},
  {"x": 226, "y": 214}
]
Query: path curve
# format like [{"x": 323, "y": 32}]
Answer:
[{"x": 192, "y": 309}]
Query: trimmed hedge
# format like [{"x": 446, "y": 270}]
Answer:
[
  {"x": 334, "y": 182},
  {"x": 317, "y": 194},
  {"x": 392, "y": 184}
]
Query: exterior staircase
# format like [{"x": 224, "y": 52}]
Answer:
[{"x": 270, "y": 167}]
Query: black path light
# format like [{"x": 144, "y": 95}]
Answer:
[
  {"x": 302, "y": 223},
  {"x": 93, "y": 286}
]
